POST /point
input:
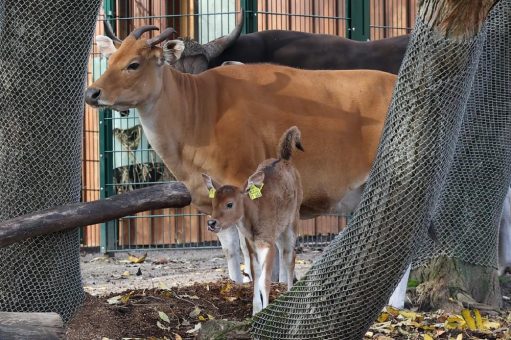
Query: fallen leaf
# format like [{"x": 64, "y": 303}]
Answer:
[
  {"x": 467, "y": 316},
  {"x": 114, "y": 300},
  {"x": 195, "y": 329},
  {"x": 211, "y": 317},
  {"x": 125, "y": 274},
  {"x": 160, "y": 326},
  {"x": 195, "y": 312},
  {"x": 392, "y": 311},
  {"x": 383, "y": 317},
  {"x": 226, "y": 288},
  {"x": 201, "y": 318},
  {"x": 164, "y": 316},
  {"x": 408, "y": 314},
  {"x": 231, "y": 298},
  {"x": 459, "y": 337},
  {"x": 427, "y": 337},
  {"x": 136, "y": 259},
  {"x": 162, "y": 286},
  {"x": 455, "y": 322},
  {"x": 178, "y": 337},
  {"x": 491, "y": 325},
  {"x": 126, "y": 297},
  {"x": 369, "y": 334},
  {"x": 479, "y": 320}
]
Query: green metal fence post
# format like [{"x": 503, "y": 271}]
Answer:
[
  {"x": 107, "y": 233},
  {"x": 250, "y": 22},
  {"x": 357, "y": 12}
]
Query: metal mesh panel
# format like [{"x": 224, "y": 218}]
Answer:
[
  {"x": 349, "y": 284},
  {"x": 469, "y": 208},
  {"x": 42, "y": 72}
]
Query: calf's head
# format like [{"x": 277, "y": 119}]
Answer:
[
  {"x": 134, "y": 75},
  {"x": 228, "y": 201}
]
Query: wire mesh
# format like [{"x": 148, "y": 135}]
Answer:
[
  {"x": 42, "y": 71},
  {"x": 420, "y": 152}
]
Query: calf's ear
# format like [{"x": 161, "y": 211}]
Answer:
[
  {"x": 257, "y": 179},
  {"x": 210, "y": 183}
]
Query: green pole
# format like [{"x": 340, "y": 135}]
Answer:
[
  {"x": 250, "y": 22},
  {"x": 107, "y": 229},
  {"x": 357, "y": 12}
]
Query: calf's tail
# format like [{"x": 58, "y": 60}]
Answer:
[{"x": 289, "y": 140}]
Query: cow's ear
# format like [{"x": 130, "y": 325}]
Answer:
[
  {"x": 172, "y": 51},
  {"x": 106, "y": 45}
]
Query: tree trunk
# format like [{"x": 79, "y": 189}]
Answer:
[{"x": 451, "y": 284}]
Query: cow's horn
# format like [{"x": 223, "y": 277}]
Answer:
[
  {"x": 141, "y": 30},
  {"x": 165, "y": 35},
  {"x": 216, "y": 47},
  {"x": 109, "y": 32}
]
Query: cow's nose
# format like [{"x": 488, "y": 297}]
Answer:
[
  {"x": 92, "y": 95},
  {"x": 212, "y": 225}
]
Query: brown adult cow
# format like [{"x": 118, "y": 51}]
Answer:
[{"x": 225, "y": 121}]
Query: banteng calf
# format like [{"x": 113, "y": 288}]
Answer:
[{"x": 267, "y": 218}]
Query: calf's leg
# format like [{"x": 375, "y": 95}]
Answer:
[
  {"x": 286, "y": 244},
  {"x": 265, "y": 253}
]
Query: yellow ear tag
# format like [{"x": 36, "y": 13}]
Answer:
[
  {"x": 212, "y": 193},
  {"x": 254, "y": 191}
]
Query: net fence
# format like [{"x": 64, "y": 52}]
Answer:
[
  {"x": 42, "y": 74},
  {"x": 445, "y": 150}
]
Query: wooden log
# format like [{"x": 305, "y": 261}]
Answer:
[
  {"x": 31, "y": 326},
  {"x": 170, "y": 195}
]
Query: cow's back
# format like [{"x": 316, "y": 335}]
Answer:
[
  {"x": 340, "y": 115},
  {"x": 314, "y": 51}
]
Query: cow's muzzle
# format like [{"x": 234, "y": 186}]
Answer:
[{"x": 92, "y": 96}]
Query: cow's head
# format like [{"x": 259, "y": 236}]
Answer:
[
  {"x": 195, "y": 57},
  {"x": 134, "y": 74},
  {"x": 227, "y": 200}
]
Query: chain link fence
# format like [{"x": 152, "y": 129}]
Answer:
[{"x": 43, "y": 61}]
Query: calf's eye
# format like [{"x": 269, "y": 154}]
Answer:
[{"x": 229, "y": 205}]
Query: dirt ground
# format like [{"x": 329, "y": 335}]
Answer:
[
  {"x": 103, "y": 275},
  {"x": 172, "y": 294}
]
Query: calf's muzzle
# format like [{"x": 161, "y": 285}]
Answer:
[{"x": 213, "y": 225}]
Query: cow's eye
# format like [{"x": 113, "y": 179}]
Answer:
[
  {"x": 133, "y": 66},
  {"x": 229, "y": 205}
]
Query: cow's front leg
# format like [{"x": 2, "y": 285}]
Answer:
[
  {"x": 246, "y": 257},
  {"x": 231, "y": 246},
  {"x": 265, "y": 253},
  {"x": 398, "y": 298}
]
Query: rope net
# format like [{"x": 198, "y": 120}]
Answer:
[
  {"x": 444, "y": 157},
  {"x": 43, "y": 60}
]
